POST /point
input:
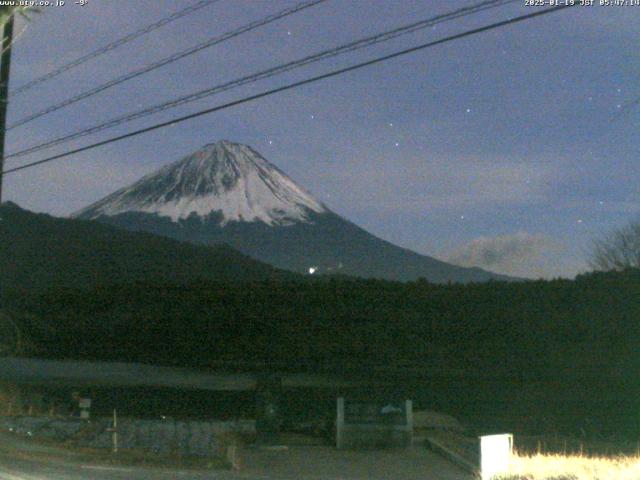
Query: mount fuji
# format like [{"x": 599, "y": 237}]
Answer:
[{"x": 228, "y": 193}]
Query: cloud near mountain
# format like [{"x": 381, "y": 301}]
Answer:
[{"x": 521, "y": 254}]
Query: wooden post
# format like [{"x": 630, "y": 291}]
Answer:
[
  {"x": 5, "y": 67},
  {"x": 268, "y": 409},
  {"x": 114, "y": 431},
  {"x": 408, "y": 408},
  {"x": 340, "y": 423}
]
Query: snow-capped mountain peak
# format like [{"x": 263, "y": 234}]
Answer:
[{"x": 223, "y": 177}]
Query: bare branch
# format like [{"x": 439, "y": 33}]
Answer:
[{"x": 617, "y": 251}]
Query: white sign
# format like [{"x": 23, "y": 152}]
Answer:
[{"x": 495, "y": 455}]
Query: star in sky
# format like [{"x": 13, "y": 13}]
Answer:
[{"x": 399, "y": 96}]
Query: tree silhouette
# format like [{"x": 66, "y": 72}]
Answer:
[{"x": 619, "y": 250}]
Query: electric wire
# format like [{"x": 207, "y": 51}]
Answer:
[
  {"x": 290, "y": 86},
  {"x": 113, "y": 45},
  {"x": 167, "y": 60},
  {"x": 325, "y": 54}
]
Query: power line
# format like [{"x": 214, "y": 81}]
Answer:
[
  {"x": 167, "y": 60},
  {"x": 329, "y": 53},
  {"x": 113, "y": 45},
  {"x": 290, "y": 86},
  {"x": 362, "y": 43}
]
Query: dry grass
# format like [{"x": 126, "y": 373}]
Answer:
[{"x": 573, "y": 467}]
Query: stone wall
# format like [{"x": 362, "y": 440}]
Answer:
[
  {"x": 198, "y": 438},
  {"x": 20, "y": 400},
  {"x": 10, "y": 400}
]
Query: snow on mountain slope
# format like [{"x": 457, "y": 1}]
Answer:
[
  {"x": 227, "y": 193},
  {"x": 228, "y": 178}
]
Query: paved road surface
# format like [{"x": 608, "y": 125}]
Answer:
[{"x": 294, "y": 463}]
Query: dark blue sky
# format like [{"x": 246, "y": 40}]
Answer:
[{"x": 511, "y": 149}]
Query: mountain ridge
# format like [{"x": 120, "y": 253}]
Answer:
[
  {"x": 223, "y": 176},
  {"x": 261, "y": 212},
  {"x": 38, "y": 251}
]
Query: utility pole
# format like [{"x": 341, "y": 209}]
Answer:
[{"x": 5, "y": 67}]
